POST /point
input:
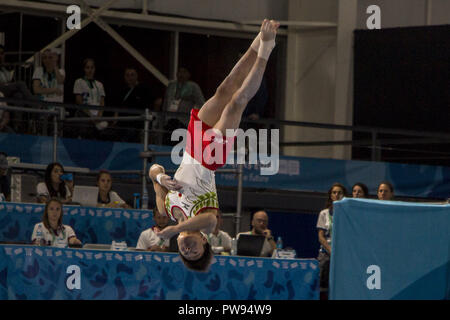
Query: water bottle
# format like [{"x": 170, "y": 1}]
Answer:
[
  {"x": 39, "y": 235},
  {"x": 279, "y": 243},
  {"x": 233, "y": 246},
  {"x": 136, "y": 202},
  {"x": 145, "y": 199}
]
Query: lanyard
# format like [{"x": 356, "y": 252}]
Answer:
[
  {"x": 52, "y": 83},
  {"x": 330, "y": 220},
  {"x": 128, "y": 93},
  {"x": 95, "y": 97},
  {"x": 54, "y": 236}
]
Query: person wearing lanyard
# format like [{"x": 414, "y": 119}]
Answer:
[
  {"x": 148, "y": 240},
  {"x": 219, "y": 240},
  {"x": 48, "y": 83},
  {"x": 324, "y": 227},
  {"x": 89, "y": 91},
  {"x": 51, "y": 231}
]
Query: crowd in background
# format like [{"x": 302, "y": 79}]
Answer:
[{"x": 48, "y": 82}]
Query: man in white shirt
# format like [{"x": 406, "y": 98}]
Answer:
[
  {"x": 148, "y": 240},
  {"x": 219, "y": 240}
]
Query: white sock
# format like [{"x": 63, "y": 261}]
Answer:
[
  {"x": 265, "y": 48},
  {"x": 255, "y": 43}
]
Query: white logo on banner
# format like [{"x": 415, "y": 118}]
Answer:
[
  {"x": 74, "y": 20},
  {"x": 374, "y": 21},
  {"x": 18, "y": 251},
  {"x": 250, "y": 263},
  {"x": 276, "y": 265},
  {"x": 74, "y": 280},
  {"x": 108, "y": 213},
  {"x": 39, "y": 252},
  {"x": 145, "y": 216},
  {"x": 157, "y": 258},
  {"x": 374, "y": 281},
  {"x": 126, "y": 215},
  {"x": 233, "y": 263}
]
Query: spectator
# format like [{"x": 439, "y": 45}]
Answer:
[
  {"x": 5, "y": 178},
  {"x": 51, "y": 231},
  {"x": 13, "y": 89},
  {"x": 181, "y": 96},
  {"x": 107, "y": 197},
  {"x": 53, "y": 186},
  {"x": 219, "y": 240},
  {"x": 135, "y": 95},
  {"x": 324, "y": 227},
  {"x": 89, "y": 91},
  {"x": 260, "y": 221},
  {"x": 48, "y": 82},
  {"x": 148, "y": 240},
  {"x": 360, "y": 190},
  {"x": 9, "y": 87},
  {"x": 385, "y": 191},
  {"x": 5, "y": 118}
]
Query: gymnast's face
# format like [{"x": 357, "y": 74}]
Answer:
[{"x": 191, "y": 244}]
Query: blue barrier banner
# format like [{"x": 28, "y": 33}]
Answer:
[
  {"x": 91, "y": 225},
  {"x": 390, "y": 250},
  {"x": 295, "y": 173},
  {"x": 46, "y": 273}
]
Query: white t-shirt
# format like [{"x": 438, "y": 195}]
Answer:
[
  {"x": 325, "y": 222},
  {"x": 148, "y": 238},
  {"x": 42, "y": 76},
  {"x": 198, "y": 189},
  {"x": 41, "y": 190},
  {"x": 91, "y": 96},
  {"x": 5, "y": 75},
  {"x": 222, "y": 239},
  {"x": 114, "y": 197},
  {"x": 61, "y": 239}
]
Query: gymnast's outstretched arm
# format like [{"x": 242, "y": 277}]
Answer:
[{"x": 161, "y": 184}]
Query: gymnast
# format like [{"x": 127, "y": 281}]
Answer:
[{"x": 190, "y": 198}]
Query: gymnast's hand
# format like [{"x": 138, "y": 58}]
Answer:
[
  {"x": 167, "y": 233},
  {"x": 169, "y": 183}
]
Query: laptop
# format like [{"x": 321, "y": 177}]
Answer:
[
  {"x": 85, "y": 195},
  {"x": 250, "y": 245}
]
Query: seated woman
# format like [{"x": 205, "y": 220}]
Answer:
[
  {"x": 51, "y": 231},
  {"x": 53, "y": 186},
  {"x": 106, "y": 197}
]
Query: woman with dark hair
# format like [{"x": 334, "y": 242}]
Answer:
[
  {"x": 324, "y": 227},
  {"x": 360, "y": 190},
  {"x": 89, "y": 91},
  {"x": 53, "y": 186},
  {"x": 51, "y": 231},
  {"x": 107, "y": 197},
  {"x": 385, "y": 191}
]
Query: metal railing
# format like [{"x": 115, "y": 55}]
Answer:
[{"x": 60, "y": 117}]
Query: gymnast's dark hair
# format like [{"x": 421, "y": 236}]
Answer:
[
  {"x": 61, "y": 192},
  {"x": 203, "y": 263}
]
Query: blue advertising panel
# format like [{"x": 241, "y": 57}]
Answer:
[{"x": 390, "y": 250}]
